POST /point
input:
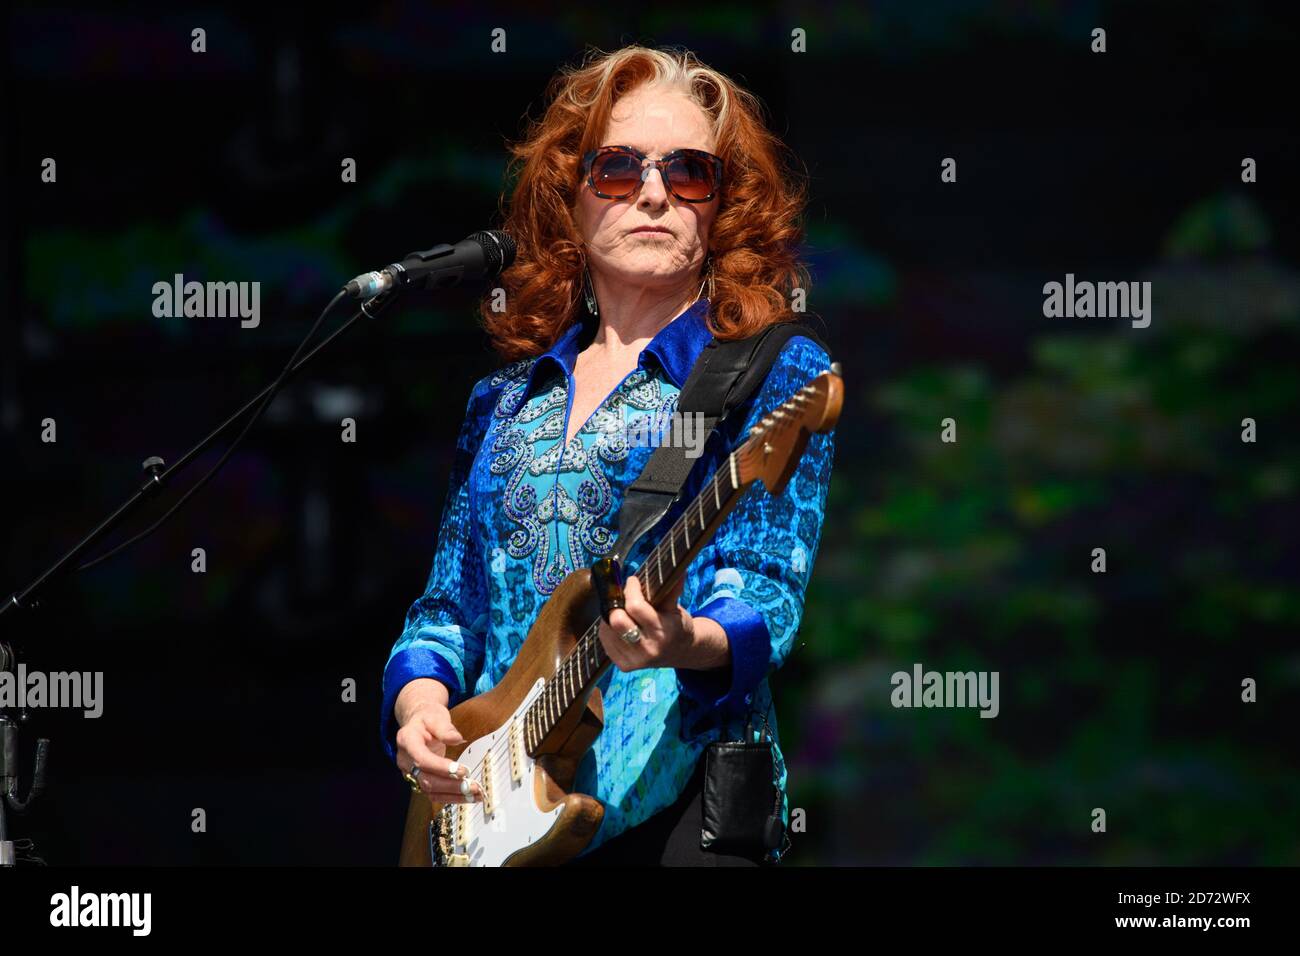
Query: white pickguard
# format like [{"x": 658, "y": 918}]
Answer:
[{"x": 487, "y": 833}]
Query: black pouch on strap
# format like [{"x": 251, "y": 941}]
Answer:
[{"x": 741, "y": 804}]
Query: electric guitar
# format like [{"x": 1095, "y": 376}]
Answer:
[{"x": 526, "y": 736}]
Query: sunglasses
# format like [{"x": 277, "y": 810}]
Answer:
[{"x": 616, "y": 172}]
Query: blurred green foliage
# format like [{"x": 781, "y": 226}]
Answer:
[{"x": 1119, "y": 690}]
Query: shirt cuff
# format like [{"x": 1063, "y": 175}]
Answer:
[
  {"x": 751, "y": 646},
  {"x": 407, "y": 665}
]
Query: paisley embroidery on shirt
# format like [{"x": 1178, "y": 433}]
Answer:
[
  {"x": 516, "y": 375},
  {"x": 535, "y": 499}
]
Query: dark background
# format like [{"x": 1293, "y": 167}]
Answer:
[{"x": 1119, "y": 690}]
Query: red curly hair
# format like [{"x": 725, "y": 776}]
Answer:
[{"x": 754, "y": 240}]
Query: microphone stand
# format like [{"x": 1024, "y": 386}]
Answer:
[{"x": 28, "y": 598}]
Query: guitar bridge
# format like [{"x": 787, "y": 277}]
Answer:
[{"x": 440, "y": 837}]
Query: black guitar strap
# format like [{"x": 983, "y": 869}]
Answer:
[{"x": 724, "y": 376}]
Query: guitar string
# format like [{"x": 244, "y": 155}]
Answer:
[{"x": 478, "y": 809}]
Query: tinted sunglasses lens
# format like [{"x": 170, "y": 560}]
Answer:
[
  {"x": 616, "y": 174},
  {"x": 691, "y": 177}
]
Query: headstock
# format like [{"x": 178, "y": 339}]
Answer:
[{"x": 777, "y": 441}]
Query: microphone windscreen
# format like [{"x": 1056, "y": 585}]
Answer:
[{"x": 498, "y": 251}]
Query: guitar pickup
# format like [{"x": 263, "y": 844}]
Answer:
[
  {"x": 516, "y": 752},
  {"x": 488, "y": 803},
  {"x": 463, "y": 834}
]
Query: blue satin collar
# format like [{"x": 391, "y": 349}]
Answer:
[{"x": 676, "y": 346}]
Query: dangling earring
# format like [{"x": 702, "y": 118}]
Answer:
[
  {"x": 708, "y": 279},
  {"x": 589, "y": 293}
]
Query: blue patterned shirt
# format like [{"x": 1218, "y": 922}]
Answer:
[{"x": 522, "y": 512}]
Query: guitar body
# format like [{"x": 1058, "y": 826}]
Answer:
[{"x": 535, "y": 819}]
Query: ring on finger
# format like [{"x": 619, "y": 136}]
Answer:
[{"x": 411, "y": 778}]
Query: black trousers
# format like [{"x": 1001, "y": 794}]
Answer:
[{"x": 669, "y": 838}]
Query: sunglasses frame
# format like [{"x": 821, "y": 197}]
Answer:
[{"x": 715, "y": 162}]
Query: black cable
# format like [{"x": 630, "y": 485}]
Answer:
[{"x": 257, "y": 413}]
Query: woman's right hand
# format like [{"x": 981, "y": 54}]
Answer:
[{"x": 425, "y": 733}]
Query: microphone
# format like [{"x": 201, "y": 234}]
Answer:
[{"x": 482, "y": 256}]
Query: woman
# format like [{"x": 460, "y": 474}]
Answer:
[{"x": 649, "y": 181}]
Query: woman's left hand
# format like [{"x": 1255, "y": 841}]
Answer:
[{"x": 668, "y": 631}]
